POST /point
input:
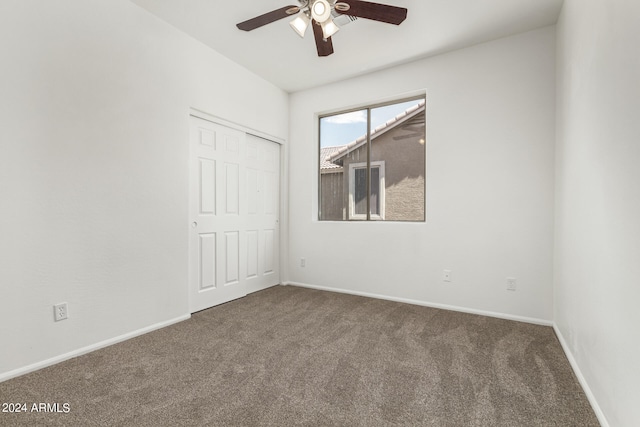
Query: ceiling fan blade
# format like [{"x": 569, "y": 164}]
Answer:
[
  {"x": 325, "y": 47},
  {"x": 267, "y": 18},
  {"x": 376, "y": 11}
]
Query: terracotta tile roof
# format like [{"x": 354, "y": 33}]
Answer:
[{"x": 325, "y": 153}]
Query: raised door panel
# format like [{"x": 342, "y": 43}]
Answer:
[
  {"x": 232, "y": 188},
  {"x": 207, "y": 137},
  {"x": 207, "y": 186},
  {"x": 269, "y": 255},
  {"x": 231, "y": 257},
  {"x": 252, "y": 191},
  {"x": 207, "y": 261},
  {"x": 252, "y": 254},
  {"x": 271, "y": 198}
]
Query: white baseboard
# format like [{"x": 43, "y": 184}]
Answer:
[
  {"x": 84, "y": 350},
  {"x": 533, "y": 320},
  {"x": 583, "y": 382},
  {"x": 574, "y": 365}
]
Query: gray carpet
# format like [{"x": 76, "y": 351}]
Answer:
[{"x": 293, "y": 356}]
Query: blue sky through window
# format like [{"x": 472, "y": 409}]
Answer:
[{"x": 344, "y": 128}]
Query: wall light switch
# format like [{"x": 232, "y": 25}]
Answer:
[{"x": 511, "y": 283}]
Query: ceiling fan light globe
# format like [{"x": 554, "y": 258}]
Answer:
[
  {"x": 329, "y": 28},
  {"x": 300, "y": 24},
  {"x": 321, "y": 10}
]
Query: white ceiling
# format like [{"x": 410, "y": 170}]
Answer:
[{"x": 280, "y": 56}]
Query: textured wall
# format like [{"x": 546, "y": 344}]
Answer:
[
  {"x": 94, "y": 168},
  {"x": 597, "y": 246},
  {"x": 490, "y": 164}
]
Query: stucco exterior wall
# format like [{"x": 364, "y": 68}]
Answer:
[
  {"x": 332, "y": 200},
  {"x": 404, "y": 172}
]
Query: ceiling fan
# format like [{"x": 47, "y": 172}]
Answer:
[{"x": 320, "y": 14}]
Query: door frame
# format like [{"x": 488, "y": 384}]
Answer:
[{"x": 284, "y": 195}]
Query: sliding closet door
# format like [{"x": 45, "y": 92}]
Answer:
[
  {"x": 234, "y": 234},
  {"x": 263, "y": 202}
]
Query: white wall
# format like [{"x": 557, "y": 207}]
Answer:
[
  {"x": 490, "y": 166},
  {"x": 597, "y": 275},
  {"x": 94, "y": 107}
]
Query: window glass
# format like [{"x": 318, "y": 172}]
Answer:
[
  {"x": 360, "y": 192},
  {"x": 374, "y": 201},
  {"x": 375, "y": 173},
  {"x": 341, "y": 146}
]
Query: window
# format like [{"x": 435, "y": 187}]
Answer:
[
  {"x": 358, "y": 190},
  {"x": 372, "y": 163}
]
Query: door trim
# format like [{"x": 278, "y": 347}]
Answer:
[{"x": 237, "y": 126}]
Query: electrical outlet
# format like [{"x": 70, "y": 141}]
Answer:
[
  {"x": 511, "y": 283},
  {"x": 60, "y": 311},
  {"x": 303, "y": 262},
  {"x": 446, "y": 275}
]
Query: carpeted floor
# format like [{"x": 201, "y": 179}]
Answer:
[{"x": 293, "y": 356}]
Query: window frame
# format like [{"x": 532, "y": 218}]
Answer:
[
  {"x": 368, "y": 107},
  {"x": 378, "y": 164}
]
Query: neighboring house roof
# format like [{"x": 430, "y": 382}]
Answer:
[
  {"x": 383, "y": 128},
  {"x": 325, "y": 153}
]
